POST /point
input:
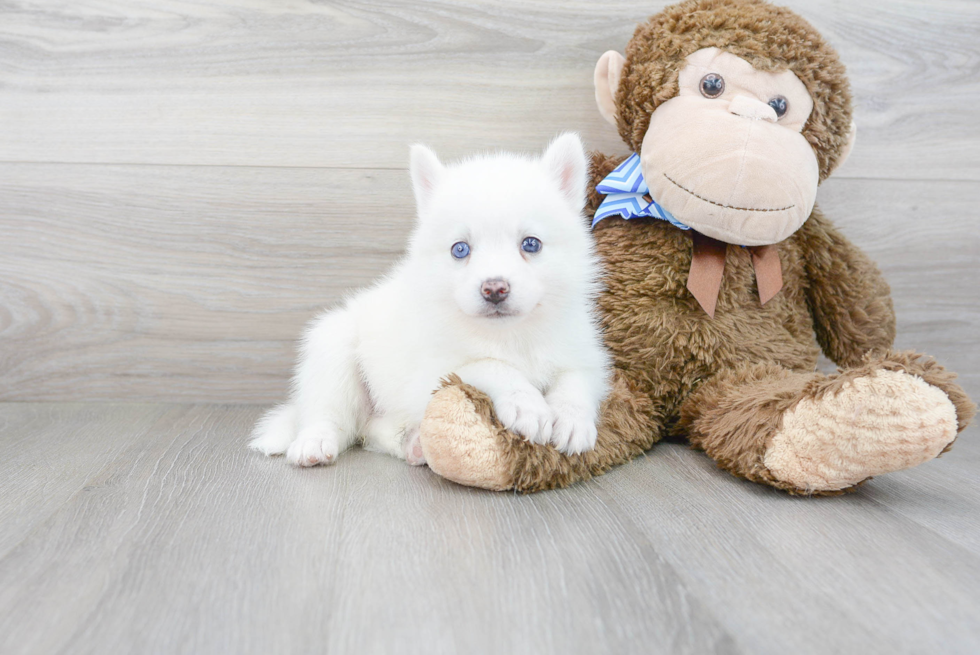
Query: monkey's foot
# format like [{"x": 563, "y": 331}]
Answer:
[
  {"x": 814, "y": 434},
  {"x": 461, "y": 441},
  {"x": 882, "y": 422}
]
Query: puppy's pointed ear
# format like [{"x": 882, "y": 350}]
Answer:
[
  {"x": 608, "y": 71},
  {"x": 426, "y": 170},
  {"x": 565, "y": 161}
]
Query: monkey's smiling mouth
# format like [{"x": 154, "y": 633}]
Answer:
[{"x": 742, "y": 209}]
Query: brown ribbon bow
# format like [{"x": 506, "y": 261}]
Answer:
[{"x": 708, "y": 267}]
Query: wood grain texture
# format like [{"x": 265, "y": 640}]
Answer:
[
  {"x": 186, "y": 542},
  {"x": 122, "y": 277},
  {"x": 174, "y": 538},
  {"x": 159, "y": 283},
  {"x": 849, "y": 574},
  {"x": 348, "y": 84},
  {"x": 277, "y": 135},
  {"x": 34, "y": 485}
]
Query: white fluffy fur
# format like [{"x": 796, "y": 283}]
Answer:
[{"x": 368, "y": 369}]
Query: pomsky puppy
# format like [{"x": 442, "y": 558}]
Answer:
[{"x": 498, "y": 286}]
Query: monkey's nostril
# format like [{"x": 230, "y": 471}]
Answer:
[{"x": 751, "y": 108}]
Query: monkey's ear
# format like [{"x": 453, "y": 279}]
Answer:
[
  {"x": 426, "y": 170},
  {"x": 607, "y": 73},
  {"x": 565, "y": 161},
  {"x": 846, "y": 152}
]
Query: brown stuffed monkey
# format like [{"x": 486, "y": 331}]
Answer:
[{"x": 722, "y": 278}]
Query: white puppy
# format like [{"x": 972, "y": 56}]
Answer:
[{"x": 498, "y": 286}]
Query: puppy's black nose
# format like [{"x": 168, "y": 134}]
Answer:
[{"x": 495, "y": 290}]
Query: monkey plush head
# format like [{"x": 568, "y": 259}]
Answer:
[{"x": 738, "y": 109}]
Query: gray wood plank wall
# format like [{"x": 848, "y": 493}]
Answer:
[{"x": 184, "y": 185}]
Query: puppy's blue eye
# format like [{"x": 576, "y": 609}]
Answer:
[
  {"x": 460, "y": 249},
  {"x": 531, "y": 244}
]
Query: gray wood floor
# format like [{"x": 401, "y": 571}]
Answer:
[
  {"x": 183, "y": 184},
  {"x": 149, "y": 529}
]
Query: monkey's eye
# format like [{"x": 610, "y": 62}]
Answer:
[
  {"x": 531, "y": 245},
  {"x": 460, "y": 249},
  {"x": 712, "y": 85},
  {"x": 780, "y": 104}
]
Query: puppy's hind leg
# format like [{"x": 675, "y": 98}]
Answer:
[
  {"x": 384, "y": 434},
  {"x": 331, "y": 403}
]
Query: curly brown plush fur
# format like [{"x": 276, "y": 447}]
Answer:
[
  {"x": 666, "y": 345},
  {"x": 768, "y": 37}
]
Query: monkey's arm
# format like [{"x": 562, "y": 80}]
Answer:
[{"x": 849, "y": 299}]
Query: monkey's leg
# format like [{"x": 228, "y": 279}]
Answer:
[
  {"x": 463, "y": 441},
  {"x": 809, "y": 433}
]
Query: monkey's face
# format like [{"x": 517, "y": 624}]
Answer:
[{"x": 726, "y": 155}]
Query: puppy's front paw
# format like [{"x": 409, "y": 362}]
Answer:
[
  {"x": 526, "y": 413},
  {"x": 312, "y": 447},
  {"x": 574, "y": 429}
]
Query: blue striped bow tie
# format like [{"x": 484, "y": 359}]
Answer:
[{"x": 625, "y": 189}]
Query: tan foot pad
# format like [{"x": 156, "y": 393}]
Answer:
[
  {"x": 461, "y": 444},
  {"x": 876, "y": 424}
]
